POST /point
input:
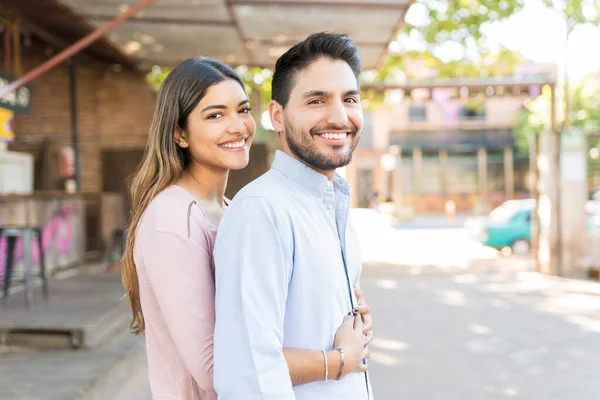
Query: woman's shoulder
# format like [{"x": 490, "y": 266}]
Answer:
[{"x": 174, "y": 210}]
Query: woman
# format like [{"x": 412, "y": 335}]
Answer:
[{"x": 201, "y": 129}]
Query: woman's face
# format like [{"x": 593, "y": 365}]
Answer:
[{"x": 220, "y": 128}]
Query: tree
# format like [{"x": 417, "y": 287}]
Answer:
[
  {"x": 575, "y": 13},
  {"x": 534, "y": 119},
  {"x": 156, "y": 76},
  {"x": 460, "y": 24}
]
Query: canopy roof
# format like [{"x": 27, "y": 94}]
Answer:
[{"x": 252, "y": 32}]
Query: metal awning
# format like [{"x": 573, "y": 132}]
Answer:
[{"x": 252, "y": 32}]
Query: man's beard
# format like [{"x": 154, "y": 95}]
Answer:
[{"x": 305, "y": 149}]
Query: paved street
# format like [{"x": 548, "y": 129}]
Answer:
[
  {"x": 454, "y": 320},
  {"x": 496, "y": 336}
]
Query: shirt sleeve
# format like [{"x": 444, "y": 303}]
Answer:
[
  {"x": 253, "y": 270},
  {"x": 179, "y": 271}
]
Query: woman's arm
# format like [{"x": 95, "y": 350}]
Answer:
[
  {"x": 179, "y": 272},
  {"x": 309, "y": 366}
]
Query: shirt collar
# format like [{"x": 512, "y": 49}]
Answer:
[{"x": 306, "y": 176}]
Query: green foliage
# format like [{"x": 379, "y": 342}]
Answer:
[
  {"x": 156, "y": 76},
  {"x": 585, "y": 111},
  {"x": 584, "y": 115},
  {"x": 259, "y": 79},
  {"x": 577, "y": 11},
  {"x": 462, "y": 21}
]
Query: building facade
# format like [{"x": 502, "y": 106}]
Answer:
[{"x": 439, "y": 146}]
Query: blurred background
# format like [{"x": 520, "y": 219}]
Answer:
[{"x": 476, "y": 184}]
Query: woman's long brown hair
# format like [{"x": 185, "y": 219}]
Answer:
[{"x": 163, "y": 162}]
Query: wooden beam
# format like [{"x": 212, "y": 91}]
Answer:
[
  {"x": 161, "y": 20},
  {"x": 55, "y": 41},
  {"x": 238, "y": 28},
  {"x": 469, "y": 83},
  {"x": 126, "y": 60},
  {"x": 290, "y": 42},
  {"x": 73, "y": 49},
  {"x": 321, "y": 4}
]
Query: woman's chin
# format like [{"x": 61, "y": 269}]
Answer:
[{"x": 236, "y": 165}]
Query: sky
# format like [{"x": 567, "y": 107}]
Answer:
[{"x": 538, "y": 34}]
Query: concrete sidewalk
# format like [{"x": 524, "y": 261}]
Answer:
[{"x": 91, "y": 303}]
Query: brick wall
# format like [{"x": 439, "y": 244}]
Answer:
[{"x": 114, "y": 109}]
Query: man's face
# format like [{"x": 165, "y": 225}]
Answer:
[{"x": 323, "y": 119}]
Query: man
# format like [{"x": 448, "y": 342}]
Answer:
[{"x": 286, "y": 259}]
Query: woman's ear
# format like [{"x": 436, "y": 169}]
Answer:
[{"x": 180, "y": 138}]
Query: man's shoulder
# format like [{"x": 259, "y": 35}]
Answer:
[{"x": 271, "y": 187}]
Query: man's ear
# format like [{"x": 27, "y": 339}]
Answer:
[
  {"x": 276, "y": 114},
  {"x": 181, "y": 138}
]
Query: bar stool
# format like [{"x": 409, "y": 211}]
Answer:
[{"x": 12, "y": 233}]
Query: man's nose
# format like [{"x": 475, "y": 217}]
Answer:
[{"x": 337, "y": 114}]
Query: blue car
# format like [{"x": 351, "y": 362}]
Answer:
[{"x": 509, "y": 226}]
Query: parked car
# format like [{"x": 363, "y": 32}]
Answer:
[{"x": 509, "y": 225}]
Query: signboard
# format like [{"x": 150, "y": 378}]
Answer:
[
  {"x": 18, "y": 101},
  {"x": 6, "y": 130},
  {"x": 573, "y": 156},
  {"x": 573, "y": 166}
]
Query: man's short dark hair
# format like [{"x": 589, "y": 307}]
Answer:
[{"x": 332, "y": 46}]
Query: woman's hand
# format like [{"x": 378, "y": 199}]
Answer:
[
  {"x": 351, "y": 339},
  {"x": 365, "y": 312}
]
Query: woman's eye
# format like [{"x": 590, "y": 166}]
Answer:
[
  {"x": 215, "y": 116},
  {"x": 245, "y": 110}
]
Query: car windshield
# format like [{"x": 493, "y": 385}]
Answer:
[{"x": 506, "y": 212}]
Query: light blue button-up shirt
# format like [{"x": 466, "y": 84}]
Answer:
[{"x": 280, "y": 259}]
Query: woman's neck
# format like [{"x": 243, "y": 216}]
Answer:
[{"x": 206, "y": 184}]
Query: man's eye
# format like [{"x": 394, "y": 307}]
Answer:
[
  {"x": 316, "y": 101},
  {"x": 352, "y": 100}
]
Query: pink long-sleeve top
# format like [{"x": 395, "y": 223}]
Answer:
[{"x": 173, "y": 256}]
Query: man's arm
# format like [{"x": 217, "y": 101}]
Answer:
[{"x": 253, "y": 265}]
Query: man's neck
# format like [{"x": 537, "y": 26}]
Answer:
[{"x": 329, "y": 174}]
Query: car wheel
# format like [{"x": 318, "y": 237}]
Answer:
[{"x": 520, "y": 247}]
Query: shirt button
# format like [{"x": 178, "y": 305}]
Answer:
[{"x": 330, "y": 206}]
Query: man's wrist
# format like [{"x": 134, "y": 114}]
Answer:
[
  {"x": 341, "y": 368},
  {"x": 333, "y": 363}
]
